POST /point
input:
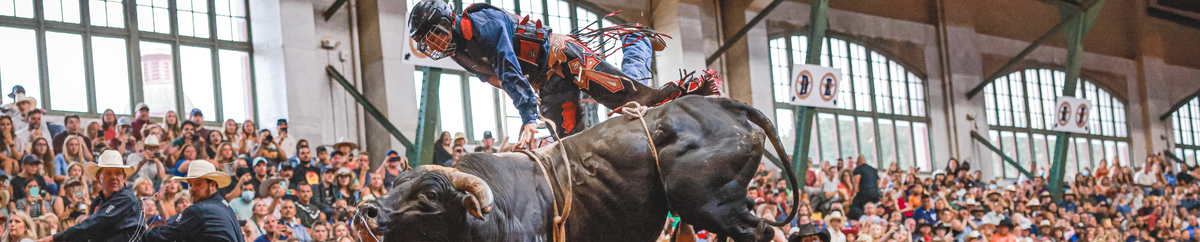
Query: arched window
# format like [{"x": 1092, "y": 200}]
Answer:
[
  {"x": 1020, "y": 115},
  {"x": 471, "y": 106},
  {"x": 880, "y": 115},
  {"x": 1187, "y": 135}
]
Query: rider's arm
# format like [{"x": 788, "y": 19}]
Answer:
[{"x": 508, "y": 68}]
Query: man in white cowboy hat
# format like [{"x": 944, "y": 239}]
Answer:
[
  {"x": 117, "y": 211},
  {"x": 148, "y": 163},
  {"x": 209, "y": 218},
  {"x": 834, "y": 224}
]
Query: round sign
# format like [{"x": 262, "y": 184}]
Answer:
[
  {"x": 829, "y": 87},
  {"x": 1082, "y": 112},
  {"x": 1064, "y": 113},
  {"x": 803, "y": 85}
]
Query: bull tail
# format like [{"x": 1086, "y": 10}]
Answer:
[{"x": 764, "y": 123}]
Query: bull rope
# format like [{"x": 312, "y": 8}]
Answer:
[
  {"x": 560, "y": 217},
  {"x": 635, "y": 110}
]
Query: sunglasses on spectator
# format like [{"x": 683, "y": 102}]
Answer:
[{"x": 459, "y": 151}]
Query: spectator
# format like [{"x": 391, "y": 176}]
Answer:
[
  {"x": 75, "y": 152},
  {"x": 374, "y": 188},
  {"x": 288, "y": 212},
  {"x": 392, "y": 169},
  {"x": 347, "y": 191},
  {"x": 142, "y": 188},
  {"x": 460, "y": 138},
  {"x": 268, "y": 148},
  {"x": 214, "y": 141},
  {"x": 308, "y": 212},
  {"x": 141, "y": 114},
  {"x": 225, "y": 154},
  {"x": 74, "y": 127},
  {"x": 73, "y": 201},
  {"x": 198, "y": 118},
  {"x": 21, "y": 228},
  {"x": 486, "y": 144},
  {"x": 29, "y": 167},
  {"x": 37, "y": 203},
  {"x": 93, "y": 133},
  {"x": 172, "y": 126},
  {"x": 866, "y": 186},
  {"x": 322, "y": 157},
  {"x": 324, "y": 194},
  {"x": 273, "y": 230},
  {"x": 320, "y": 231},
  {"x": 286, "y": 142},
  {"x": 41, "y": 149},
  {"x": 33, "y": 130},
  {"x": 305, "y": 173},
  {"x": 108, "y": 124},
  {"x": 337, "y": 160},
  {"x": 187, "y": 136},
  {"x": 148, "y": 163},
  {"x": 442, "y": 148},
  {"x": 341, "y": 230},
  {"x": 249, "y": 138},
  {"x": 10, "y": 154},
  {"x": 20, "y": 106},
  {"x": 233, "y": 134},
  {"x": 459, "y": 151},
  {"x": 151, "y": 211}
]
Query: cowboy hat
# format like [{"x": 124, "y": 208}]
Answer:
[
  {"x": 1044, "y": 194},
  {"x": 205, "y": 170},
  {"x": 1046, "y": 226},
  {"x": 834, "y": 215},
  {"x": 108, "y": 159},
  {"x": 344, "y": 142},
  {"x": 1033, "y": 203},
  {"x": 263, "y": 187},
  {"x": 22, "y": 98}
]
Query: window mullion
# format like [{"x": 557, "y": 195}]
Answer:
[
  {"x": 135, "y": 53},
  {"x": 43, "y": 68},
  {"x": 218, "y": 101},
  {"x": 468, "y": 118}
]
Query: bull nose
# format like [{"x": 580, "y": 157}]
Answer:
[{"x": 370, "y": 210}]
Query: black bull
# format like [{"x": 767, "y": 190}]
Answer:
[{"x": 709, "y": 149}]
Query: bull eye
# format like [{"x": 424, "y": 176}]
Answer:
[{"x": 430, "y": 195}]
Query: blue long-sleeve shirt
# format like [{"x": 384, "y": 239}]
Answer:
[{"x": 493, "y": 30}]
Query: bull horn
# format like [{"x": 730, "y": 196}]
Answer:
[{"x": 480, "y": 201}]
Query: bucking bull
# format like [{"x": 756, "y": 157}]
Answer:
[{"x": 617, "y": 189}]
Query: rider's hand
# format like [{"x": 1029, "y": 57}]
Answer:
[{"x": 527, "y": 132}]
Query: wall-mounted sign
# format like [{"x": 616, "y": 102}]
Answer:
[
  {"x": 1072, "y": 114},
  {"x": 815, "y": 86}
]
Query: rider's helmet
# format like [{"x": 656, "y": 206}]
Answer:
[{"x": 430, "y": 24}]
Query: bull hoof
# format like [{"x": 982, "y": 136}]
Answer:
[{"x": 764, "y": 233}]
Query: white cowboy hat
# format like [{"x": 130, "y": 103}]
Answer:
[
  {"x": 345, "y": 142},
  {"x": 205, "y": 170},
  {"x": 1033, "y": 203},
  {"x": 151, "y": 140},
  {"x": 109, "y": 159},
  {"x": 22, "y": 98}
]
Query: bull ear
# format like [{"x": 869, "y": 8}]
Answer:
[{"x": 472, "y": 205}]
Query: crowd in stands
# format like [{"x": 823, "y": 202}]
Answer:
[
  {"x": 285, "y": 188},
  {"x": 851, "y": 201}
]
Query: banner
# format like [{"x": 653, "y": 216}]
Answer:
[
  {"x": 1072, "y": 114},
  {"x": 815, "y": 86}
]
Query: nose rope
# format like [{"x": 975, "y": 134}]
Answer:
[{"x": 357, "y": 216}]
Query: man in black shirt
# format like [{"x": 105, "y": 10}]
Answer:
[
  {"x": 305, "y": 173},
  {"x": 308, "y": 212},
  {"x": 866, "y": 188},
  {"x": 29, "y": 165}
]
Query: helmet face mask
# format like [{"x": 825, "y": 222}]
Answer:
[
  {"x": 436, "y": 42},
  {"x": 430, "y": 23}
]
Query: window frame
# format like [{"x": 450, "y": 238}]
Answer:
[
  {"x": 1190, "y": 114},
  {"x": 133, "y": 37},
  {"x": 851, "y": 109},
  {"x": 1082, "y": 91}
]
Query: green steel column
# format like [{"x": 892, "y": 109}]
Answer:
[
  {"x": 1075, "y": 32},
  {"x": 427, "y": 119},
  {"x": 369, "y": 107},
  {"x": 804, "y": 117}
]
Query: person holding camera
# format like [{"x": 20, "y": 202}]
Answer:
[
  {"x": 189, "y": 135},
  {"x": 148, "y": 162},
  {"x": 74, "y": 200},
  {"x": 269, "y": 148}
]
